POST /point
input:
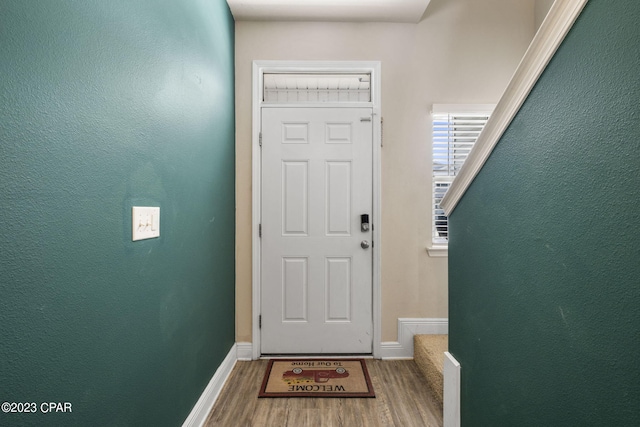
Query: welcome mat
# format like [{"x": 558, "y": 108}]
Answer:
[{"x": 316, "y": 378}]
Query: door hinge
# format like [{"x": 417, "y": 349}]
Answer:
[
  {"x": 381, "y": 131},
  {"x": 259, "y": 230},
  {"x": 260, "y": 321},
  {"x": 260, "y": 139}
]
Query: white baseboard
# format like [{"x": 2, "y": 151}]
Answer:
[
  {"x": 401, "y": 349},
  {"x": 245, "y": 350},
  {"x": 407, "y": 328},
  {"x": 451, "y": 400},
  {"x": 207, "y": 399}
]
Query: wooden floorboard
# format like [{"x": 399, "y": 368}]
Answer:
[{"x": 402, "y": 399}]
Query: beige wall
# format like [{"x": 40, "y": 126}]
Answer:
[
  {"x": 463, "y": 51},
  {"x": 541, "y": 9}
]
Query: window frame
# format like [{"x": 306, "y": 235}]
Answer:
[{"x": 439, "y": 245}]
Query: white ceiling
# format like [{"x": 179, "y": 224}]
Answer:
[{"x": 329, "y": 10}]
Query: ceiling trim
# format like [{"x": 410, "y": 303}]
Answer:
[{"x": 408, "y": 11}]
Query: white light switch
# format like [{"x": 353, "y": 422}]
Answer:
[{"x": 145, "y": 222}]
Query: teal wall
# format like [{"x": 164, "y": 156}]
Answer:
[
  {"x": 105, "y": 105},
  {"x": 544, "y": 256}
]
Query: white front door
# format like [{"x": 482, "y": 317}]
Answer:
[{"x": 316, "y": 292}]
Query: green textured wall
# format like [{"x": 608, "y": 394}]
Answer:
[
  {"x": 544, "y": 257},
  {"x": 105, "y": 105}
]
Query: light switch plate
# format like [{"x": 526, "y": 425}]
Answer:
[{"x": 145, "y": 222}]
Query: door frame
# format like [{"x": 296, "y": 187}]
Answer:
[{"x": 258, "y": 70}]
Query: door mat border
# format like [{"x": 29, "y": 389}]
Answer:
[{"x": 369, "y": 393}]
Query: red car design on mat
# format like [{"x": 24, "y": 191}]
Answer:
[{"x": 299, "y": 375}]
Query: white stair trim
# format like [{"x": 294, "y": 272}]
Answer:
[
  {"x": 208, "y": 398},
  {"x": 451, "y": 399},
  {"x": 552, "y": 32},
  {"x": 407, "y": 328}
]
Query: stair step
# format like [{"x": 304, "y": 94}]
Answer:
[{"x": 428, "y": 353}]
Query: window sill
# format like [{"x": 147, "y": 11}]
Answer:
[{"x": 438, "y": 251}]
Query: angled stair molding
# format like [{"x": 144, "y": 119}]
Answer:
[
  {"x": 407, "y": 328},
  {"x": 552, "y": 32}
]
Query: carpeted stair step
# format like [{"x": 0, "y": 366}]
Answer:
[{"x": 428, "y": 353}]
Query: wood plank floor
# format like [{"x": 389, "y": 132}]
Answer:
[{"x": 402, "y": 399}]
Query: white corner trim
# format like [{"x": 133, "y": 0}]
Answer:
[
  {"x": 407, "y": 328},
  {"x": 245, "y": 351},
  {"x": 438, "y": 251},
  {"x": 208, "y": 398},
  {"x": 552, "y": 32},
  {"x": 451, "y": 399},
  {"x": 256, "y": 207}
]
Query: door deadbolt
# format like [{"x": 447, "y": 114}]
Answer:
[{"x": 364, "y": 223}]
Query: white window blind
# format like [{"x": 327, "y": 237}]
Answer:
[{"x": 455, "y": 130}]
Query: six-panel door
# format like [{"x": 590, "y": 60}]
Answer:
[{"x": 316, "y": 276}]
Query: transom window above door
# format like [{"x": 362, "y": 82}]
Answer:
[{"x": 311, "y": 88}]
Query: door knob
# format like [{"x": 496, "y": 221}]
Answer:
[{"x": 364, "y": 244}]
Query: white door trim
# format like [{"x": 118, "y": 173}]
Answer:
[{"x": 261, "y": 67}]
